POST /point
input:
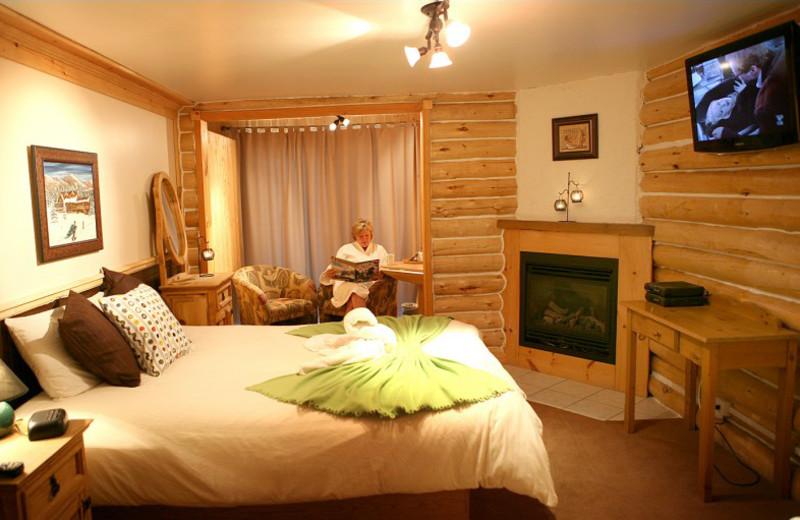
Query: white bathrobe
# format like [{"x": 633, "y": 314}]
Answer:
[{"x": 352, "y": 251}]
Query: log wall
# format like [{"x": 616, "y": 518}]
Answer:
[
  {"x": 472, "y": 184},
  {"x": 730, "y": 223}
]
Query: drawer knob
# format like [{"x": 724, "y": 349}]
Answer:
[
  {"x": 656, "y": 334},
  {"x": 55, "y": 487}
]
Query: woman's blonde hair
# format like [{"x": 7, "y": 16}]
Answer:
[{"x": 360, "y": 225}]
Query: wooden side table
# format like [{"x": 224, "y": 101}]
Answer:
[
  {"x": 200, "y": 300},
  {"x": 713, "y": 338},
  {"x": 53, "y": 484},
  {"x": 411, "y": 273}
]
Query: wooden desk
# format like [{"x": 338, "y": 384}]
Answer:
[
  {"x": 716, "y": 337},
  {"x": 411, "y": 273}
]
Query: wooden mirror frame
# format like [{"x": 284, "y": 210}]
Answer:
[{"x": 165, "y": 196}]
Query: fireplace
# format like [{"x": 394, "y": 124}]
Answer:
[{"x": 568, "y": 305}]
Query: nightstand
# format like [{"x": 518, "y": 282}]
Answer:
[
  {"x": 200, "y": 300},
  {"x": 53, "y": 484}
]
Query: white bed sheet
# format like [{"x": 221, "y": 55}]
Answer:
[{"x": 196, "y": 437}]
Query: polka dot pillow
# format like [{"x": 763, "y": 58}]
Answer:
[{"x": 152, "y": 331}]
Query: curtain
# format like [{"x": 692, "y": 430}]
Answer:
[{"x": 302, "y": 189}]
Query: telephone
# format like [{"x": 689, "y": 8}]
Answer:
[{"x": 47, "y": 423}]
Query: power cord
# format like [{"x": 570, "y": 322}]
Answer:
[{"x": 757, "y": 478}]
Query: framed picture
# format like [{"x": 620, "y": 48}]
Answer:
[
  {"x": 575, "y": 137},
  {"x": 67, "y": 203}
]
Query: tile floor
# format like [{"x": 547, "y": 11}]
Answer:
[{"x": 592, "y": 401}]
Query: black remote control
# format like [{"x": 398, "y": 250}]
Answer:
[{"x": 11, "y": 469}]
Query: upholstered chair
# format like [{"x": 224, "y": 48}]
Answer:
[
  {"x": 382, "y": 300},
  {"x": 270, "y": 294}
]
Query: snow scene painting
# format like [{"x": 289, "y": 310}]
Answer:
[{"x": 68, "y": 202}]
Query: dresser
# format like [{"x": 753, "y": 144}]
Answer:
[
  {"x": 200, "y": 300},
  {"x": 53, "y": 483}
]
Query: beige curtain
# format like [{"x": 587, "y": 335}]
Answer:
[{"x": 303, "y": 188}]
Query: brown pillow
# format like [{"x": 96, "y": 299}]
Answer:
[
  {"x": 118, "y": 283},
  {"x": 96, "y": 343}
]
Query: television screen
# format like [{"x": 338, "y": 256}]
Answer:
[{"x": 743, "y": 95}]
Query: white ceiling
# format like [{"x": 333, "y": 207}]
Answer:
[{"x": 231, "y": 50}]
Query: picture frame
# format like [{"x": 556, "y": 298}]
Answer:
[
  {"x": 575, "y": 137},
  {"x": 66, "y": 193}
]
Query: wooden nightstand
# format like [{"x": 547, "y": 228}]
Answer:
[
  {"x": 53, "y": 485},
  {"x": 200, "y": 300}
]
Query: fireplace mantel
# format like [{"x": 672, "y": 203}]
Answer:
[{"x": 631, "y": 244}]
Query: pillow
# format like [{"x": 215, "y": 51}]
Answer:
[
  {"x": 58, "y": 373},
  {"x": 152, "y": 331},
  {"x": 96, "y": 343},
  {"x": 118, "y": 283}
]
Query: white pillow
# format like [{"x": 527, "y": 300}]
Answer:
[
  {"x": 58, "y": 373},
  {"x": 152, "y": 331}
]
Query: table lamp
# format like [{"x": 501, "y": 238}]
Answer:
[{"x": 10, "y": 388}]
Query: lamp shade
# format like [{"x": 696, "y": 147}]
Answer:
[
  {"x": 412, "y": 55},
  {"x": 440, "y": 59},
  {"x": 457, "y": 33},
  {"x": 207, "y": 254},
  {"x": 10, "y": 385}
]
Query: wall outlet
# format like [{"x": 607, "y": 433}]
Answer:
[{"x": 722, "y": 408}]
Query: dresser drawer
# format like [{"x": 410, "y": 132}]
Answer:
[
  {"x": 57, "y": 489},
  {"x": 655, "y": 331},
  {"x": 224, "y": 296}
]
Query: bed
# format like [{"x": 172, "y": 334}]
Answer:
[{"x": 195, "y": 438}]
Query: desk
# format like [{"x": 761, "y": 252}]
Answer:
[
  {"x": 411, "y": 273},
  {"x": 713, "y": 338}
]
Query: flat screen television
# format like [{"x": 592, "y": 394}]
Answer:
[{"x": 743, "y": 95}]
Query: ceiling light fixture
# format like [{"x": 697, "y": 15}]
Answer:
[
  {"x": 340, "y": 120},
  {"x": 456, "y": 34}
]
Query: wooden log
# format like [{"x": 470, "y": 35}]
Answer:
[
  {"x": 468, "y": 264},
  {"x": 747, "y": 448},
  {"x": 185, "y": 123},
  {"x": 481, "y": 320},
  {"x": 753, "y": 398},
  {"x": 467, "y": 303},
  {"x": 684, "y": 158},
  {"x": 186, "y": 141},
  {"x": 191, "y": 217},
  {"x": 664, "y": 110},
  {"x": 667, "y": 85},
  {"x": 667, "y": 370},
  {"x": 466, "y": 246},
  {"x": 279, "y": 103},
  {"x": 473, "y": 111},
  {"x": 474, "y": 129},
  {"x": 741, "y": 212},
  {"x": 445, "y": 208},
  {"x": 664, "y": 69},
  {"x": 668, "y": 355},
  {"x": 190, "y": 198},
  {"x": 474, "y": 188},
  {"x": 493, "y": 338},
  {"x": 473, "y": 170},
  {"x": 786, "y": 311},
  {"x": 776, "y": 246},
  {"x": 190, "y": 180},
  {"x": 475, "y": 96},
  {"x": 189, "y": 161},
  {"x": 464, "y": 227},
  {"x": 477, "y": 284},
  {"x": 665, "y": 394},
  {"x": 769, "y": 277},
  {"x": 772, "y": 181},
  {"x": 673, "y": 131},
  {"x": 473, "y": 149}
]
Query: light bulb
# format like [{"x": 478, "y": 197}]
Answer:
[
  {"x": 457, "y": 33},
  {"x": 345, "y": 122},
  {"x": 439, "y": 59},
  {"x": 412, "y": 55},
  {"x": 560, "y": 205},
  {"x": 332, "y": 126},
  {"x": 576, "y": 196}
]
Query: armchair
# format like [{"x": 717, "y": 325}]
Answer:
[
  {"x": 382, "y": 300},
  {"x": 270, "y": 294}
]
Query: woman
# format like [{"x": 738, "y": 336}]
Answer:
[{"x": 362, "y": 248}]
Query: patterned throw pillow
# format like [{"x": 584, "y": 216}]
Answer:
[{"x": 152, "y": 331}]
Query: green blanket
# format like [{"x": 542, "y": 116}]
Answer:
[{"x": 403, "y": 381}]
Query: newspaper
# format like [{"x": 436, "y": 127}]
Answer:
[{"x": 358, "y": 272}]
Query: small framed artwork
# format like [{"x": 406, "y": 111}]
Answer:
[
  {"x": 575, "y": 137},
  {"x": 67, "y": 203}
]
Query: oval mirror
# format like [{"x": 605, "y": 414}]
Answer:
[{"x": 171, "y": 244}]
